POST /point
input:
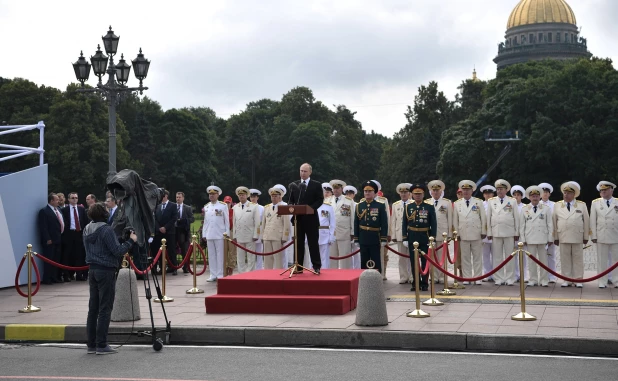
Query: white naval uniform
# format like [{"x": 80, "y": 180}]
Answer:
[
  {"x": 344, "y": 217},
  {"x": 604, "y": 228},
  {"x": 470, "y": 223},
  {"x": 552, "y": 251},
  {"x": 246, "y": 230},
  {"x": 488, "y": 260},
  {"x": 536, "y": 230},
  {"x": 520, "y": 206},
  {"x": 394, "y": 230},
  {"x": 444, "y": 215},
  {"x": 274, "y": 231},
  {"x": 328, "y": 224},
  {"x": 216, "y": 224},
  {"x": 259, "y": 245},
  {"x": 503, "y": 226},
  {"x": 571, "y": 229}
]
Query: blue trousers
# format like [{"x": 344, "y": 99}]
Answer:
[{"x": 102, "y": 293}]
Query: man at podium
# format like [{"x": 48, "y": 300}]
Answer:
[{"x": 307, "y": 192}]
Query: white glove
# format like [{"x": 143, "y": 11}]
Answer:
[
  {"x": 352, "y": 242},
  {"x": 150, "y": 240},
  {"x": 383, "y": 243},
  {"x": 405, "y": 243}
]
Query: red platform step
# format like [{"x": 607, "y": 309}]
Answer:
[{"x": 333, "y": 292}]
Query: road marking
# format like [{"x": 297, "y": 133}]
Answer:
[
  {"x": 88, "y": 378},
  {"x": 507, "y": 298},
  {"x": 408, "y": 352},
  {"x": 34, "y": 332}
]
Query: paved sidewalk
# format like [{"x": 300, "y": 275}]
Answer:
[{"x": 490, "y": 314}]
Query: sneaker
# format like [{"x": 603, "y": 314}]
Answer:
[
  {"x": 106, "y": 351},
  {"x": 509, "y": 283},
  {"x": 211, "y": 280},
  {"x": 478, "y": 283},
  {"x": 579, "y": 285},
  {"x": 92, "y": 350},
  {"x": 565, "y": 284},
  {"x": 602, "y": 286},
  {"x": 496, "y": 283},
  {"x": 531, "y": 284},
  {"x": 543, "y": 284}
]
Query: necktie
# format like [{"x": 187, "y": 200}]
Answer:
[
  {"x": 111, "y": 216},
  {"x": 535, "y": 209},
  {"x": 569, "y": 206},
  {"x": 76, "y": 218},
  {"x": 273, "y": 207},
  {"x": 608, "y": 203},
  {"x": 435, "y": 203},
  {"x": 337, "y": 200},
  {"x": 304, "y": 182},
  {"x": 243, "y": 206},
  {"x": 467, "y": 203},
  {"x": 163, "y": 206},
  {"x": 60, "y": 220},
  {"x": 501, "y": 200},
  {"x": 179, "y": 211}
]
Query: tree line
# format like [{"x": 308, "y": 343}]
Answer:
[{"x": 566, "y": 113}]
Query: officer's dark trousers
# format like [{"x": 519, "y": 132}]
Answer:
[
  {"x": 309, "y": 225},
  {"x": 423, "y": 279},
  {"x": 372, "y": 252}
]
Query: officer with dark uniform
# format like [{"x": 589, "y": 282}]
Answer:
[
  {"x": 370, "y": 226},
  {"x": 419, "y": 223}
]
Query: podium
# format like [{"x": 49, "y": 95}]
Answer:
[{"x": 295, "y": 210}]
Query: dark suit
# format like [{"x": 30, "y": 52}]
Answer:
[
  {"x": 49, "y": 230},
  {"x": 312, "y": 195},
  {"x": 165, "y": 218},
  {"x": 73, "y": 253},
  {"x": 183, "y": 230}
]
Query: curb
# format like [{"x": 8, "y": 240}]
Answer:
[{"x": 282, "y": 337}]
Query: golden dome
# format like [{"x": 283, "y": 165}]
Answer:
[{"x": 541, "y": 11}]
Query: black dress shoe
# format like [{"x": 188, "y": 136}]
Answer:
[
  {"x": 412, "y": 288},
  {"x": 424, "y": 288},
  {"x": 185, "y": 271},
  {"x": 175, "y": 272},
  {"x": 317, "y": 271}
]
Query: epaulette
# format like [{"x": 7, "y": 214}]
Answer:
[
  {"x": 492, "y": 198},
  {"x": 479, "y": 199},
  {"x": 254, "y": 203},
  {"x": 380, "y": 201},
  {"x": 598, "y": 199},
  {"x": 428, "y": 201},
  {"x": 221, "y": 202},
  {"x": 362, "y": 199},
  {"x": 326, "y": 203},
  {"x": 580, "y": 202},
  {"x": 446, "y": 199},
  {"x": 397, "y": 202},
  {"x": 268, "y": 205},
  {"x": 381, "y": 198},
  {"x": 460, "y": 199},
  {"x": 349, "y": 198}
]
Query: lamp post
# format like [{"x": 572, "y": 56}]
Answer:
[{"x": 115, "y": 89}]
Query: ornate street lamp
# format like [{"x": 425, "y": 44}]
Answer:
[{"x": 115, "y": 89}]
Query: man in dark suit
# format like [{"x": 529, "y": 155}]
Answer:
[
  {"x": 183, "y": 226},
  {"x": 110, "y": 204},
  {"x": 308, "y": 192},
  {"x": 73, "y": 254},
  {"x": 51, "y": 227},
  {"x": 166, "y": 215}
]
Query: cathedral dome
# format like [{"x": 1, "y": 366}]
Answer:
[{"x": 541, "y": 11}]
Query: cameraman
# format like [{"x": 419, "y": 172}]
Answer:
[{"x": 103, "y": 254}]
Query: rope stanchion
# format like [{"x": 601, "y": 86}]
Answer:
[
  {"x": 425, "y": 270},
  {"x": 345, "y": 256},
  {"x": 59, "y": 265},
  {"x": 31, "y": 263},
  {"x": 572, "y": 280},
  {"x": 191, "y": 252},
  {"x": 200, "y": 252},
  {"x": 432, "y": 301},
  {"x": 163, "y": 298},
  {"x": 523, "y": 315},
  {"x": 456, "y": 262},
  {"x": 181, "y": 265},
  {"x": 143, "y": 272},
  {"x": 403, "y": 254},
  {"x": 417, "y": 313},
  {"x": 492, "y": 272},
  {"x": 257, "y": 253},
  {"x": 445, "y": 291}
]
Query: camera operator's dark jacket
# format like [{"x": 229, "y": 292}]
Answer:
[{"x": 102, "y": 246}]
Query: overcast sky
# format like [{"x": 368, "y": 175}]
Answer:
[{"x": 369, "y": 55}]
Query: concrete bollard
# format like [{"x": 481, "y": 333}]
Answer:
[
  {"x": 371, "y": 305},
  {"x": 126, "y": 291}
]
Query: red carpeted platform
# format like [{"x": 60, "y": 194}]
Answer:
[{"x": 333, "y": 292}]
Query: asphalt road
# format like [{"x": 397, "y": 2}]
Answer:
[{"x": 66, "y": 362}]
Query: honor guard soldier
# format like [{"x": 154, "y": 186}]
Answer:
[
  {"x": 344, "y": 217},
  {"x": 350, "y": 192},
  {"x": 488, "y": 260},
  {"x": 443, "y": 207},
  {"x": 551, "y": 250},
  {"x": 503, "y": 230},
  {"x": 370, "y": 226},
  {"x": 419, "y": 223},
  {"x": 384, "y": 252},
  {"x": 571, "y": 232},
  {"x": 469, "y": 220},
  {"x": 405, "y": 271},
  {"x": 536, "y": 227},
  {"x": 274, "y": 230},
  {"x": 246, "y": 229},
  {"x": 254, "y": 197},
  {"x": 216, "y": 224},
  {"x": 604, "y": 227}
]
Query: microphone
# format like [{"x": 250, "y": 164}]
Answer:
[
  {"x": 291, "y": 186},
  {"x": 303, "y": 187}
]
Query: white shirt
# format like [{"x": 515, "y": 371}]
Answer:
[
  {"x": 180, "y": 210},
  {"x": 72, "y": 214}
]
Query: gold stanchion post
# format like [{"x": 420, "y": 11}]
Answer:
[
  {"x": 195, "y": 252},
  {"x": 29, "y": 308},
  {"x": 523, "y": 315},
  {"x": 445, "y": 291},
  {"x": 164, "y": 298},
  {"x": 457, "y": 265},
  {"x": 417, "y": 313},
  {"x": 432, "y": 301},
  {"x": 226, "y": 248}
]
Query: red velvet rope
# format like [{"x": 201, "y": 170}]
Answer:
[
  {"x": 346, "y": 256},
  {"x": 455, "y": 253},
  {"x": 36, "y": 272},
  {"x": 70, "y": 268},
  {"x": 492, "y": 272},
  {"x": 425, "y": 271},
  {"x": 574, "y": 280},
  {"x": 184, "y": 261},
  {"x": 140, "y": 272},
  {"x": 262, "y": 254},
  {"x": 402, "y": 254},
  {"x": 203, "y": 259}
]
